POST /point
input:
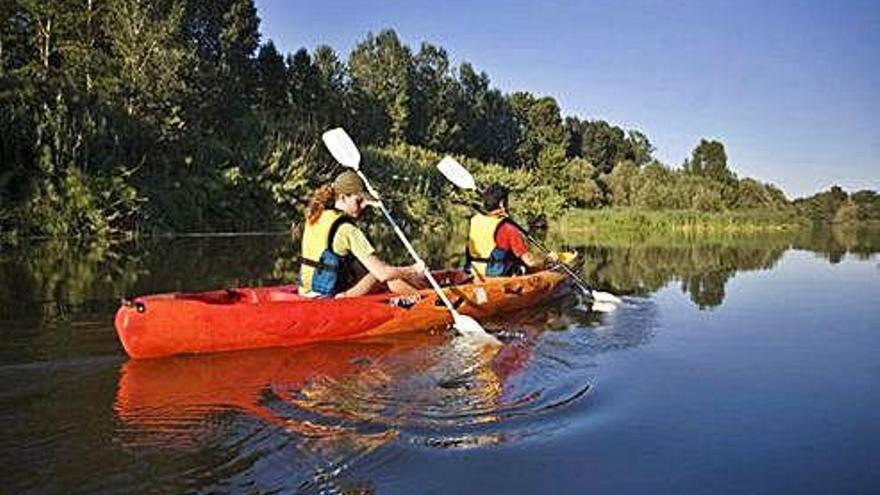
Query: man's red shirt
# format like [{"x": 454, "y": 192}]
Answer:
[{"x": 509, "y": 238}]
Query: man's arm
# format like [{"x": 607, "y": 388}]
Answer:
[{"x": 514, "y": 240}]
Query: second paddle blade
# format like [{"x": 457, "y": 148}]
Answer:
[{"x": 472, "y": 330}]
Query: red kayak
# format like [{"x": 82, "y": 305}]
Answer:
[{"x": 248, "y": 318}]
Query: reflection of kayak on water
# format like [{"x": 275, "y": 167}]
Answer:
[
  {"x": 367, "y": 371},
  {"x": 300, "y": 394},
  {"x": 326, "y": 407},
  {"x": 150, "y": 391},
  {"x": 248, "y": 318},
  {"x": 312, "y": 391}
]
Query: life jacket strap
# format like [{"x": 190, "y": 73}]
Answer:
[{"x": 317, "y": 264}]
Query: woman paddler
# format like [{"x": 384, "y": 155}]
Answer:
[{"x": 337, "y": 259}]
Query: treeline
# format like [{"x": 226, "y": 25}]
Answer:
[
  {"x": 836, "y": 206},
  {"x": 128, "y": 115},
  {"x": 120, "y": 116}
]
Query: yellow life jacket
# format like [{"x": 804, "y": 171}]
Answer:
[
  {"x": 321, "y": 269},
  {"x": 483, "y": 255}
]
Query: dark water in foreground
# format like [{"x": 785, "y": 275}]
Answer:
[{"x": 745, "y": 365}]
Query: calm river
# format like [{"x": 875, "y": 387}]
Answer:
[{"x": 748, "y": 364}]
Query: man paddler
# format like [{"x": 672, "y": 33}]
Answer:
[
  {"x": 337, "y": 259},
  {"x": 496, "y": 246}
]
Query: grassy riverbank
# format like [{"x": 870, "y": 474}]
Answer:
[{"x": 629, "y": 221}]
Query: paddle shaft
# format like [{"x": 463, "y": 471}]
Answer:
[
  {"x": 460, "y": 176},
  {"x": 577, "y": 280},
  {"x": 406, "y": 243}
]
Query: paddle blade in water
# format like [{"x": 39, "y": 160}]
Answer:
[
  {"x": 456, "y": 173},
  {"x": 342, "y": 147},
  {"x": 472, "y": 330},
  {"x": 603, "y": 307},
  {"x": 606, "y": 297}
]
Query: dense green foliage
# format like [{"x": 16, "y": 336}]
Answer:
[
  {"x": 838, "y": 207},
  {"x": 128, "y": 116}
]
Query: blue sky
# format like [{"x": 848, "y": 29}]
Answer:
[{"x": 792, "y": 88}]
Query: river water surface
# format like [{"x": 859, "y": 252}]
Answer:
[{"x": 735, "y": 365}]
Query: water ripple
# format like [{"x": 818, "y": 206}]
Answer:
[{"x": 312, "y": 416}]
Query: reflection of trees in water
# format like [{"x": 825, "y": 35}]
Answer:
[
  {"x": 706, "y": 289},
  {"x": 207, "y": 263},
  {"x": 57, "y": 280},
  {"x": 702, "y": 268},
  {"x": 836, "y": 241},
  {"x": 704, "y": 265},
  {"x": 58, "y": 298}
]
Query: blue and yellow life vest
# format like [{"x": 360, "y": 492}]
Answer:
[
  {"x": 322, "y": 270},
  {"x": 482, "y": 254}
]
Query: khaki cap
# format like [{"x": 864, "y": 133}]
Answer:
[{"x": 348, "y": 182}]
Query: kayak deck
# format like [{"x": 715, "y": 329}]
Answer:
[{"x": 247, "y": 318}]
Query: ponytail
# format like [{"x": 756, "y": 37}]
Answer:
[{"x": 321, "y": 200}]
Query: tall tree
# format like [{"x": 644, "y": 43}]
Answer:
[
  {"x": 224, "y": 35},
  {"x": 542, "y": 136},
  {"x": 334, "y": 85},
  {"x": 488, "y": 121},
  {"x": 306, "y": 95},
  {"x": 382, "y": 69},
  {"x": 151, "y": 63},
  {"x": 639, "y": 147},
  {"x": 709, "y": 159},
  {"x": 436, "y": 98},
  {"x": 271, "y": 75},
  {"x": 574, "y": 129},
  {"x": 239, "y": 39},
  {"x": 602, "y": 144}
]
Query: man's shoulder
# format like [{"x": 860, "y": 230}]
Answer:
[
  {"x": 507, "y": 234},
  {"x": 508, "y": 227}
]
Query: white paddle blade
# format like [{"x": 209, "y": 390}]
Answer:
[
  {"x": 342, "y": 147},
  {"x": 456, "y": 173},
  {"x": 606, "y": 297},
  {"x": 603, "y": 307},
  {"x": 472, "y": 330}
]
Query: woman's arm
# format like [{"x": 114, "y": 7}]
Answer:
[
  {"x": 352, "y": 239},
  {"x": 385, "y": 272}
]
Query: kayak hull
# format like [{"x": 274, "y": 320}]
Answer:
[{"x": 249, "y": 318}]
